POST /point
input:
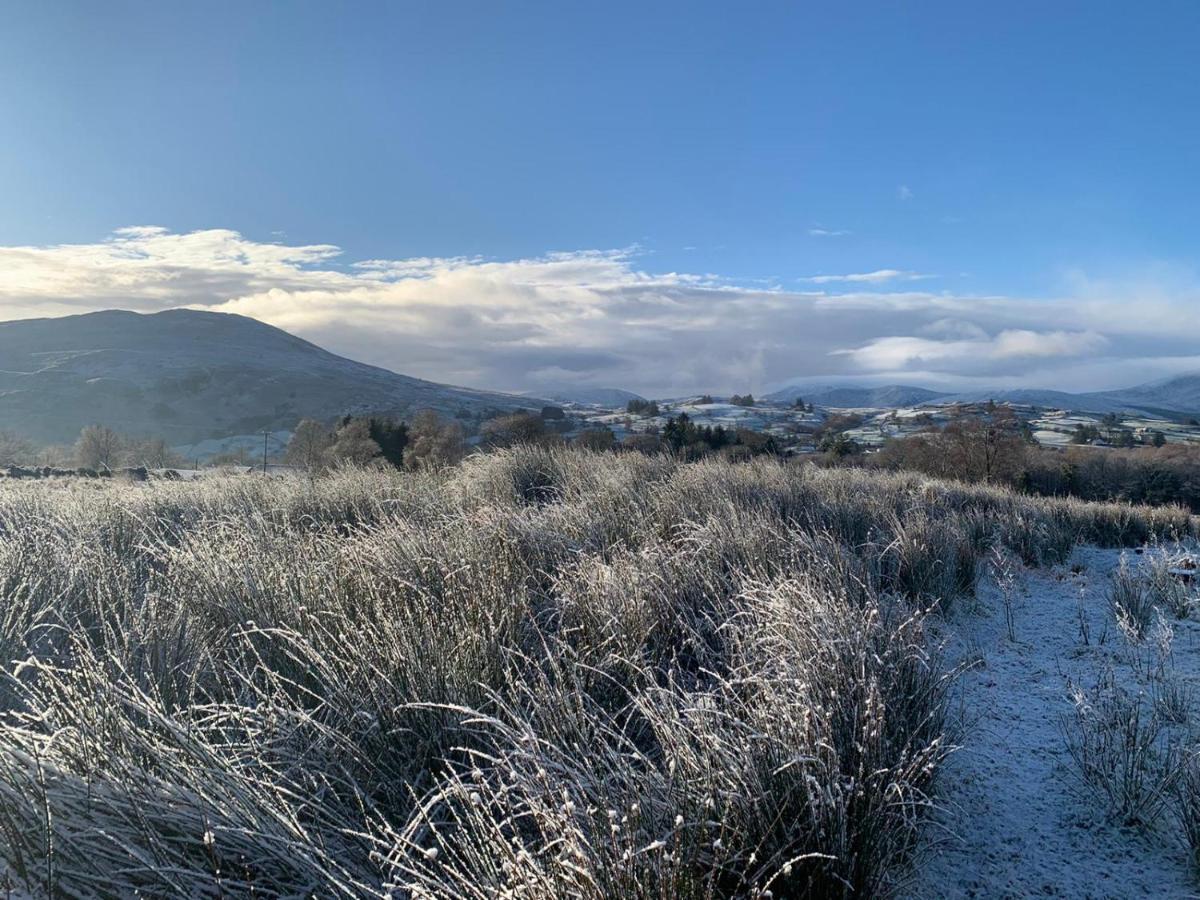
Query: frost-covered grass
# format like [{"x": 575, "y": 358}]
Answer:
[
  {"x": 1066, "y": 779},
  {"x": 542, "y": 674},
  {"x": 1132, "y": 736}
]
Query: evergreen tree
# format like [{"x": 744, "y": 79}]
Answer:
[
  {"x": 639, "y": 407},
  {"x": 679, "y": 432},
  {"x": 392, "y": 438}
]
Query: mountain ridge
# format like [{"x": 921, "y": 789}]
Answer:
[
  {"x": 1176, "y": 395},
  {"x": 192, "y": 375},
  {"x": 853, "y": 395},
  {"x": 187, "y": 375}
]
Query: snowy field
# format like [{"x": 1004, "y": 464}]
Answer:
[{"x": 1016, "y": 818}]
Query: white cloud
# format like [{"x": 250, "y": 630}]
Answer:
[
  {"x": 1019, "y": 342},
  {"x": 601, "y": 318},
  {"x": 879, "y": 276},
  {"x": 979, "y": 353},
  {"x": 828, "y": 232},
  {"x": 904, "y": 192}
]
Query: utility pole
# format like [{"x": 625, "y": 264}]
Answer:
[{"x": 266, "y": 436}]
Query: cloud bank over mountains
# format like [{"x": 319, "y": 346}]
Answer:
[{"x": 601, "y": 318}]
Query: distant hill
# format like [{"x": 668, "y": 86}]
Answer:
[
  {"x": 1099, "y": 403},
  {"x": 187, "y": 376},
  {"x": 584, "y": 396},
  {"x": 1173, "y": 396},
  {"x": 849, "y": 396},
  {"x": 1180, "y": 393}
]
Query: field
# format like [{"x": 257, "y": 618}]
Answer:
[
  {"x": 873, "y": 427},
  {"x": 540, "y": 674}
]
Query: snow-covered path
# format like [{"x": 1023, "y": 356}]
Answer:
[{"x": 1015, "y": 820}]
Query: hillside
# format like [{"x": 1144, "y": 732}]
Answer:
[
  {"x": 852, "y": 396},
  {"x": 187, "y": 375},
  {"x": 1180, "y": 394},
  {"x": 1048, "y": 399},
  {"x": 585, "y": 396},
  {"x": 1177, "y": 395}
]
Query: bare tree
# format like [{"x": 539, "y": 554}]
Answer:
[
  {"x": 309, "y": 446},
  {"x": 98, "y": 447},
  {"x": 153, "y": 453},
  {"x": 985, "y": 448},
  {"x": 433, "y": 443},
  {"x": 60, "y": 456},
  {"x": 14, "y": 449},
  {"x": 354, "y": 444},
  {"x": 518, "y": 428}
]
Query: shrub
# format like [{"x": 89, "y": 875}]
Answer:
[
  {"x": 1115, "y": 740},
  {"x": 1167, "y": 591},
  {"x": 1132, "y": 604},
  {"x": 1187, "y": 800}
]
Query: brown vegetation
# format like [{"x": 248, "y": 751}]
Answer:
[{"x": 996, "y": 450}]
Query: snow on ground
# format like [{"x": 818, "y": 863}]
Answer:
[
  {"x": 1015, "y": 819},
  {"x": 1048, "y": 438}
]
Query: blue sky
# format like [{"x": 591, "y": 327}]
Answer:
[{"x": 1044, "y": 153}]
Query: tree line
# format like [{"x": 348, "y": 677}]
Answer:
[
  {"x": 98, "y": 448},
  {"x": 427, "y": 441},
  {"x": 992, "y": 447},
  {"x": 998, "y": 448}
]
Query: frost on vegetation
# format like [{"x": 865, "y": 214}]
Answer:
[
  {"x": 538, "y": 674},
  {"x": 1132, "y": 737},
  {"x": 1162, "y": 581},
  {"x": 1119, "y": 743}
]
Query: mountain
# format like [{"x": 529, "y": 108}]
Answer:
[
  {"x": 186, "y": 375},
  {"x": 1180, "y": 393},
  {"x": 852, "y": 396},
  {"x": 585, "y": 396},
  {"x": 1096, "y": 402},
  {"x": 1167, "y": 397},
  {"x": 1170, "y": 396}
]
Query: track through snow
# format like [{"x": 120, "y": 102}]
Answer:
[{"x": 1015, "y": 820}]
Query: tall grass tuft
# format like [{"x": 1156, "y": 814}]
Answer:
[{"x": 563, "y": 673}]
